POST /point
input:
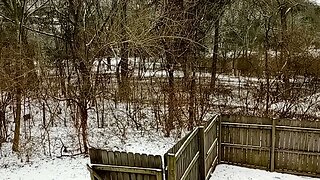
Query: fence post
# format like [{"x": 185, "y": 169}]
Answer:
[
  {"x": 202, "y": 157},
  {"x": 219, "y": 138},
  {"x": 171, "y": 159},
  {"x": 273, "y": 144}
]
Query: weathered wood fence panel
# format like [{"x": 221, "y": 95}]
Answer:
[
  {"x": 283, "y": 145},
  {"x": 116, "y": 165},
  {"x": 297, "y": 147},
  {"x": 183, "y": 163},
  {"x": 196, "y": 155},
  {"x": 246, "y": 141}
]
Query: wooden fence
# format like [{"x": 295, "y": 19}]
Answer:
[
  {"x": 107, "y": 165},
  {"x": 282, "y": 145},
  {"x": 196, "y": 155}
]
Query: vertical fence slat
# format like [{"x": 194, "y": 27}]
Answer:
[
  {"x": 105, "y": 160},
  {"x": 131, "y": 160},
  {"x": 171, "y": 159},
  {"x": 158, "y": 164},
  {"x": 138, "y": 162},
  {"x": 145, "y": 163},
  {"x": 152, "y": 161},
  {"x": 219, "y": 140},
  {"x": 113, "y": 175},
  {"x": 273, "y": 145},
  {"x": 202, "y": 163},
  {"x": 117, "y": 159},
  {"x": 125, "y": 162}
]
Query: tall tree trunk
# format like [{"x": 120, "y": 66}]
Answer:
[
  {"x": 267, "y": 73},
  {"x": 85, "y": 97},
  {"x": 18, "y": 77},
  {"x": 124, "y": 54},
  {"x": 78, "y": 44},
  {"x": 18, "y": 99},
  {"x": 283, "y": 43},
  {"x": 16, "y": 137},
  {"x": 173, "y": 47},
  {"x": 171, "y": 99},
  {"x": 215, "y": 53}
]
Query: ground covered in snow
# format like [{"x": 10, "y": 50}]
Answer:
[
  {"x": 228, "y": 172},
  {"x": 49, "y": 169},
  {"x": 51, "y": 150},
  {"x": 74, "y": 167}
]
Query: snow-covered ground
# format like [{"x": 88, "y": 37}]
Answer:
[
  {"x": 74, "y": 168},
  {"x": 49, "y": 169},
  {"x": 67, "y": 168},
  {"x": 52, "y": 152},
  {"x": 228, "y": 172}
]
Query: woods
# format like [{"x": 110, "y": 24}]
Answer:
[{"x": 161, "y": 65}]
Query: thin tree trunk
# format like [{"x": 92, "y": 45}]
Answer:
[
  {"x": 215, "y": 53},
  {"x": 267, "y": 28},
  {"x": 18, "y": 75},
  {"x": 192, "y": 101},
  {"x": 171, "y": 101},
  {"x": 62, "y": 78},
  {"x": 174, "y": 51},
  {"x": 18, "y": 101},
  {"x": 283, "y": 44},
  {"x": 84, "y": 124},
  {"x": 16, "y": 137},
  {"x": 3, "y": 124},
  {"x": 85, "y": 97}
]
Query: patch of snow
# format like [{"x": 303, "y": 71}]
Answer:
[
  {"x": 308, "y": 105},
  {"x": 67, "y": 168},
  {"x": 49, "y": 169},
  {"x": 229, "y": 172}
]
